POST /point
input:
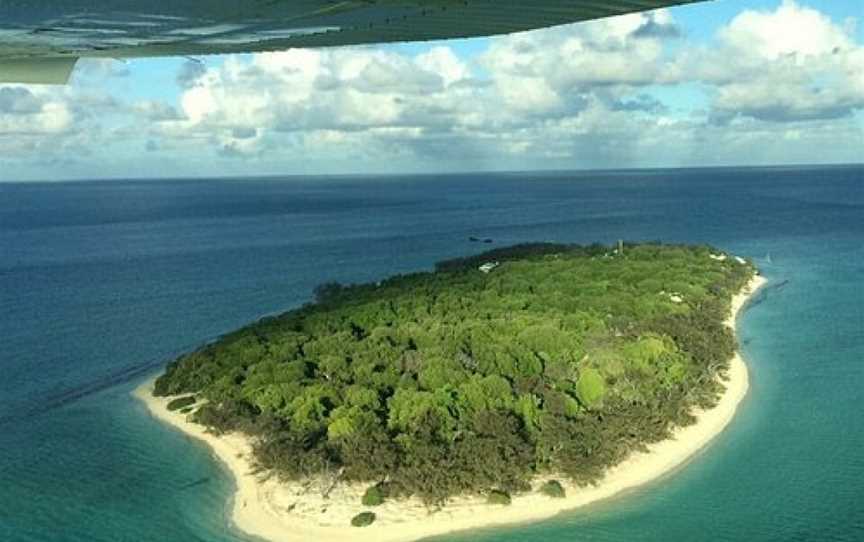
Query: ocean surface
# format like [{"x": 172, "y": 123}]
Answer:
[{"x": 101, "y": 283}]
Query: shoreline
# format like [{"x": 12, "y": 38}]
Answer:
[{"x": 288, "y": 512}]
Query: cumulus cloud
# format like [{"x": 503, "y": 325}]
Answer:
[
  {"x": 155, "y": 111},
  {"x": 26, "y": 113},
  {"x": 243, "y": 106},
  {"x": 44, "y": 128},
  {"x": 190, "y": 72},
  {"x": 431, "y": 103},
  {"x": 581, "y": 91},
  {"x": 790, "y": 30},
  {"x": 787, "y": 65},
  {"x": 19, "y": 100},
  {"x": 607, "y": 52},
  {"x": 770, "y": 85}
]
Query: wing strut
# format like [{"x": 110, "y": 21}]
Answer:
[{"x": 44, "y": 71}]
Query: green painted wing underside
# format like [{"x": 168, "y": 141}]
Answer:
[{"x": 40, "y": 40}]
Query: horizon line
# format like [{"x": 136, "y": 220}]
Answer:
[{"x": 552, "y": 171}]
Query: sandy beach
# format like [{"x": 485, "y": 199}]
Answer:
[{"x": 293, "y": 512}]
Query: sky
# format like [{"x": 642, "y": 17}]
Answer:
[{"x": 730, "y": 82}]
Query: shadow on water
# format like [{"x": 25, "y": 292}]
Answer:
[
  {"x": 763, "y": 293},
  {"x": 64, "y": 397},
  {"x": 194, "y": 483},
  {"x": 53, "y": 401}
]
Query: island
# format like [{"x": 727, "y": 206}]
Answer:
[{"x": 470, "y": 396}]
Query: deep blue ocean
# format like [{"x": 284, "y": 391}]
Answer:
[{"x": 101, "y": 283}]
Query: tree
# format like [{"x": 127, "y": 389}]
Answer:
[
  {"x": 590, "y": 388},
  {"x": 564, "y": 359}
]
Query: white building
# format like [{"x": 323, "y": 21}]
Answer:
[{"x": 488, "y": 267}]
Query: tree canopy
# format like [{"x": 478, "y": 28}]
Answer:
[{"x": 562, "y": 359}]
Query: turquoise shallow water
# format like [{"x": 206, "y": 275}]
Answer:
[{"x": 100, "y": 283}]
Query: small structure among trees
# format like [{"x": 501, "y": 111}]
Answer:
[{"x": 488, "y": 267}]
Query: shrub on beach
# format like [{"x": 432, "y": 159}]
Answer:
[
  {"x": 393, "y": 490},
  {"x": 373, "y": 497},
  {"x": 182, "y": 402},
  {"x": 363, "y": 519},
  {"x": 553, "y": 489},
  {"x": 497, "y": 496},
  {"x": 162, "y": 386}
]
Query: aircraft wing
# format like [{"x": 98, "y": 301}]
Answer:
[{"x": 40, "y": 40}]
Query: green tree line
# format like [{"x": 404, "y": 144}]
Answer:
[{"x": 563, "y": 359}]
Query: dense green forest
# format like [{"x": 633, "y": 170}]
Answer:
[{"x": 561, "y": 360}]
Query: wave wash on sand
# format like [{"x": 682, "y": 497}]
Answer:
[{"x": 288, "y": 512}]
